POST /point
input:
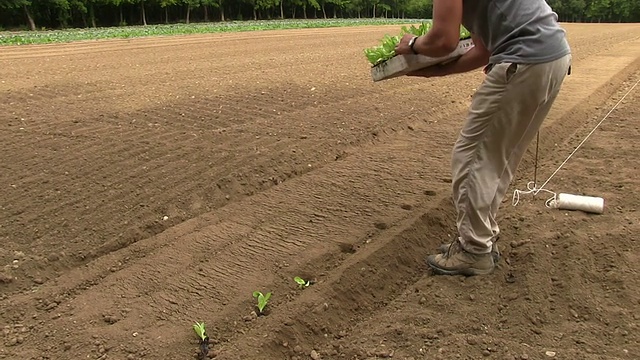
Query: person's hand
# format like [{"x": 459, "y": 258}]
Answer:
[{"x": 403, "y": 46}]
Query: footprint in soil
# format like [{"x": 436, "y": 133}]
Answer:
[
  {"x": 381, "y": 225},
  {"x": 347, "y": 248}
]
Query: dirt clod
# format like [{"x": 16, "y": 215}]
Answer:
[
  {"x": 381, "y": 225},
  {"x": 5, "y": 278}
]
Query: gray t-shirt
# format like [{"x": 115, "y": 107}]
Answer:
[{"x": 521, "y": 31}]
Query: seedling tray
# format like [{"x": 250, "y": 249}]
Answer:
[{"x": 403, "y": 64}]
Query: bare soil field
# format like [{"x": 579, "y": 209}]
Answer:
[{"x": 147, "y": 184}]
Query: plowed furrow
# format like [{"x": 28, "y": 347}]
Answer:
[{"x": 244, "y": 255}]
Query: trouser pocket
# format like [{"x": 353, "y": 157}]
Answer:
[
  {"x": 511, "y": 70},
  {"x": 501, "y": 72}
]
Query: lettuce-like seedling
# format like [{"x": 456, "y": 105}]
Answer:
[
  {"x": 386, "y": 49},
  {"x": 200, "y": 331},
  {"x": 262, "y": 299},
  {"x": 301, "y": 282}
]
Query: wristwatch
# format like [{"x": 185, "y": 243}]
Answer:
[{"x": 411, "y": 43}]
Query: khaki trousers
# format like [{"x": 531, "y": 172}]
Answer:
[{"x": 506, "y": 113}]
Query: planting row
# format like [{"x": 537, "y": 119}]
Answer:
[{"x": 262, "y": 299}]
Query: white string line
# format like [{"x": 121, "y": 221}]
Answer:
[
  {"x": 536, "y": 191},
  {"x": 586, "y": 138}
]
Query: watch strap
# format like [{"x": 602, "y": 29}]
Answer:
[{"x": 411, "y": 43}]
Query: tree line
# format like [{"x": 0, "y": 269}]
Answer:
[{"x": 39, "y": 14}]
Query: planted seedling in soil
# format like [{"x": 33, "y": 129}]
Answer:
[
  {"x": 204, "y": 340},
  {"x": 301, "y": 282},
  {"x": 262, "y": 301}
]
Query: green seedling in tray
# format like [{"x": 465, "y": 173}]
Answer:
[{"x": 386, "y": 49}]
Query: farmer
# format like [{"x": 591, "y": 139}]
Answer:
[{"x": 526, "y": 57}]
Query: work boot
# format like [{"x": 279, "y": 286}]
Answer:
[
  {"x": 458, "y": 261},
  {"x": 495, "y": 252}
]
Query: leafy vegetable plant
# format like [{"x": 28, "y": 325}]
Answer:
[
  {"x": 200, "y": 330},
  {"x": 204, "y": 339},
  {"x": 262, "y": 299},
  {"x": 386, "y": 50},
  {"x": 301, "y": 282}
]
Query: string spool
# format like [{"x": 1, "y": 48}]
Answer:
[
  {"x": 590, "y": 204},
  {"x": 568, "y": 201}
]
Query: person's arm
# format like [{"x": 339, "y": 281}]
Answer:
[
  {"x": 473, "y": 59},
  {"x": 444, "y": 35}
]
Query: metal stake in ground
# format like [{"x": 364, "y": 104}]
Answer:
[{"x": 535, "y": 165}]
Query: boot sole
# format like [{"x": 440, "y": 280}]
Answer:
[
  {"x": 494, "y": 254},
  {"x": 464, "y": 272}
]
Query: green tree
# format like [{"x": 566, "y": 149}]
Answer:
[
  {"x": 20, "y": 4},
  {"x": 64, "y": 13}
]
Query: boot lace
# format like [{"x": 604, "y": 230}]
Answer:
[{"x": 455, "y": 248}]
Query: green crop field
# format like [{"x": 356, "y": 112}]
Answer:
[{"x": 68, "y": 35}]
